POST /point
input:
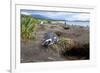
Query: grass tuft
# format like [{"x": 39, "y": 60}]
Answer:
[{"x": 28, "y": 27}]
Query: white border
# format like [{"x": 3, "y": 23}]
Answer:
[{"x": 16, "y": 66}]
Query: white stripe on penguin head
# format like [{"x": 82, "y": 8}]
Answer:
[{"x": 46, "y": 41}]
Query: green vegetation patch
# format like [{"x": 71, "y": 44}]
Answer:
[{"x": 28, "y": 27}]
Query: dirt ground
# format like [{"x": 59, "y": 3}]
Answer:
[{"x": 33, "y": 51}]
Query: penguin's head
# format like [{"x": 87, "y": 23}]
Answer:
[{"x": 47, "y": 42}]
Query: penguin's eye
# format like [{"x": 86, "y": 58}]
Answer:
[{"x": 49, "y": 42}]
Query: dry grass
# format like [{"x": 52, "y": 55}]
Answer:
[
  {"x": 64, "y": 44},
  {"x": 59, "y": 33},
  {"x": 66, "y": 27},
  {"x": 69, "y": 47},
  {"x": 41, "y": 27},
  {"x": 54, "y": 26}
]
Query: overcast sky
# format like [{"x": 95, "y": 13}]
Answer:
[{"x": 58, "y": 15}]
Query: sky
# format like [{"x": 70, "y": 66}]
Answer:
[{"x": 57, "y": 15}]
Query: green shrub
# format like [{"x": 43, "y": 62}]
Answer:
[
  {"x": 28, "y": 27},
  {"x": 49, "y": 21}
]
